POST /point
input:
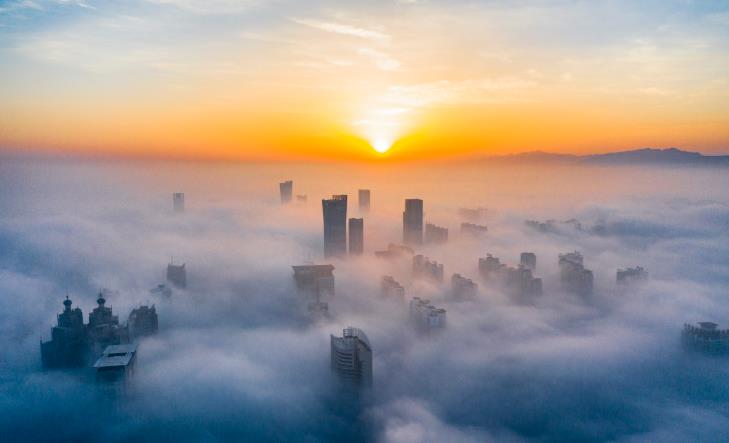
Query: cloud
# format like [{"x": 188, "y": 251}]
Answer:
[
  {"x": 343, "y": 29},
  {"x": 382, "y": 60}
]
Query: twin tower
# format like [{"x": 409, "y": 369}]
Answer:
[{"x": 335, "y": 225}]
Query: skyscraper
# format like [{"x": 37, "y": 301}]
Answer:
[
  {"x": 412, "y": 222},
  {"x": 364, "y": 200},
  {"x": 177, "y": 275},
  {"x": 528, "y": 260},
  {"x": 351, "y": 357},
  {"x": 356, "y": 236},
  {"x": 287, "y": 190},
  {"x": 335, "y": 225},
  {"x": 178, "y": 202}
]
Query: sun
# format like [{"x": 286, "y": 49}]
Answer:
[{"x": 381, "y": 145}]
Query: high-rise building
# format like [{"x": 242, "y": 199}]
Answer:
[
  {"x": 473, "y": 214},
  {"x": 287, "y": 190},
  {"x": 473, "y": 229},
  {"x": 705, "y": 337},
  {"x": 573, "y": 275},
  {"x": 356, "y": 236},
  {"x": 394, "y": 251},
  {"x": 103, "y": 328},
  {"x": 463, "y": 288},
  {"x": 177, "y": 275},
  {"x": 630, "y": 276},
  {"x": 390, "y": 288},
  {"x": 490, "y": 267},
  {"x": 364, "y": 200},
  {"x": 178, "y": 202},
  {"x": 351, "y": 357},
  {"x": 315, "y": 280},
  {"x": 521, "y": 283},
  {"x": 528, "y": 260},
  {"x": 423, "y": 267},
  {"x": 142, "y": 322},
  {"x": 335, "y": 225},
  {"x": 116, "y": 364},
  {"x": 161, "y": 290},
  {"x": 435, "y": 234},
  {"x": 426, "y": 317},
  {"x": 412, "y": 222},
  {"x": 68, "y": 339}
]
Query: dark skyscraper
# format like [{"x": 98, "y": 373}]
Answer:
[
  {"x": 335, "y": 225},
  {"x": 178, "y": 202},
  {"x": 364, "y": 200},
  {"x": 356, "y": 236},
  {"x": 177, "y": 275},
  {"x": 412, "y": 222},
  {"x": 287, "y": 190}
]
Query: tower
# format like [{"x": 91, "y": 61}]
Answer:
[
  {"x": 178, "y": 202},
  {"x": 286, "y": 189},
  {"x": 335, "y": 225},
  {"x": 412, "y": 222},
  {"x": 351, "y": 357},
  {"x": 364, "y": 200},
  {"x": 356, "y": 236}
]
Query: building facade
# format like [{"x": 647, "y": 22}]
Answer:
[
  {"x": 435, "y": 234},
  {"x": 412, "y": 222},
  {"x": 178, "y": 202},
  {"x": 335, "y": 226},
  {"x": 286, "y": 190},
  {"x": 351, "y": 357},
  {"x": 364, "y": 200},
  {"x": 177, "y": 275},
  {"x": 423, "y": 267},
  {"x": 356, "y": 236}
]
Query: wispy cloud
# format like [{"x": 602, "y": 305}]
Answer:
[
  {"x": 382, "y": 60},
  {"x": 344, "y": 29}
]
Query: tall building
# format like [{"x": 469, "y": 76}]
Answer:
[
  {"x": 423, "y": 267},
  {"x": 68, "y": 339},
  {"x": 473, "y": 214},
  {"x": 351, "y": 357},
  {"x": 705, "y": 337},
  {"x": 490, "y": 267},
  {"x": 178, "y": 202},
  {"x": 395, "y": 251},
  {"x": 521, "y": 283},
  {"x": 435, "y": 234},
  {"x": 116, "y": 364},
  {"x": 426, "y": 317},
  {"x": 103, "y": 328},
  {"x": 412, "y": 222},
  {"x": 364, "y": 200},
  {"x": 177, "y": 275},
  {"x": 142, "y": 322},
  {"x": 573, "y": 275},
  {"x": 335, "y": 225},
  {"x": 161, "y": 290},
  {"x": 287, "y": 190},
  {"x": 463, "y": 288},
  {"x": 528, "y": 260},
  {"x": 630, "y": 276},
  {"x": 314, "y": 280},
  {"x": 356, "y": 236},
  {"x": 473, "y": 229},
  {"x": 390, "y": 288}
]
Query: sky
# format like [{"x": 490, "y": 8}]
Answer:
[
  {"x": 343, "y": 80},
  {"x": 237, "y": 358}
]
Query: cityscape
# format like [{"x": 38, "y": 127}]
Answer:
[{"x": 404, "y": 221}]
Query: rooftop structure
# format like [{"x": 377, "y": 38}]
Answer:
[
  {"x": 351, "y": 357},
  {"x": 435, "y": 234},
  {"x": 395, "y": 251},
  {"x": 116, "y": 363},
  {"x": 103, "y": 328},
  {"x": 473, "y": 229},
  {"x": 142, "y": 322},
  {"x": 178, "y": 202},
  {"x": 356, "y": 236},
  {"x": 286, "y": 189},
  {"x": 68, "y": 339},
  {"x": 528, "y": 260},
  {"x": 423, "y": 267},
  {"x": 412, "y": 222},
  {"x": 335, "y": 225},
  {"x": 630, "y": 276},
  {"x": 573, "y": 275},
  {"x": 177, "y": 275},
  {"x": 705, "y": 337},
  {"x": 364, "y": 200},
  {"x": 161, "y": 290},
  {"x": 315, "y": 280},
  {"x": 463, "y": 288},
  {"x": 426, "y": 317},
  {"x": 390, "y": 288}
]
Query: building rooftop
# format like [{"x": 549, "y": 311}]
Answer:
[{"x": 116, "y": 356}]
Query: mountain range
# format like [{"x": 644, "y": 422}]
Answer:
[{"x": 645, "y": 156}]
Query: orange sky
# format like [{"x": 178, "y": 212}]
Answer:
[{"x": 242, "y": 80}]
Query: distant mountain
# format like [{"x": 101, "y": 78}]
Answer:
[{"x": 645, "y": 156}]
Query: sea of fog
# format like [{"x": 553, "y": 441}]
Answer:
[{"x": 238, "y": 358}]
